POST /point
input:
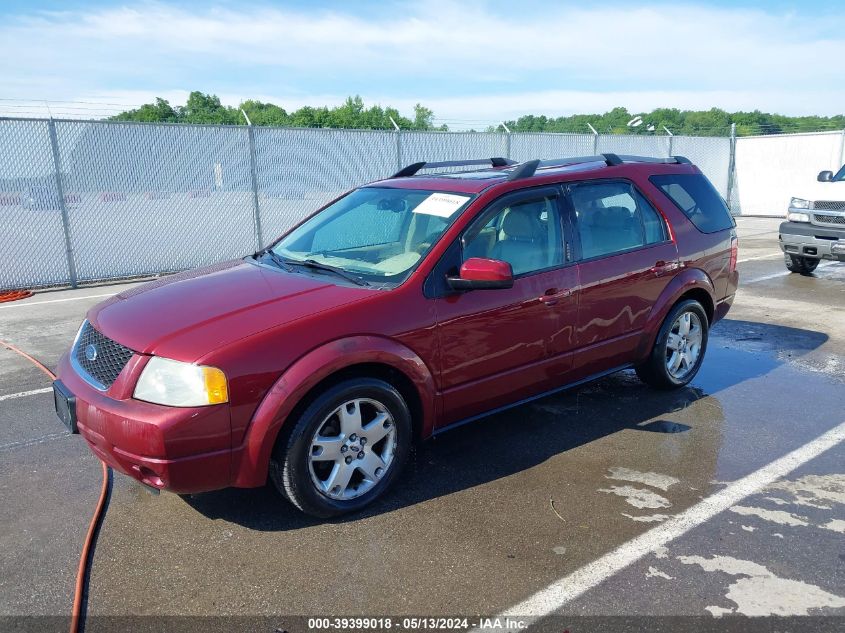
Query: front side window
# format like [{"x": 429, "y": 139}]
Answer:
[
  {"x": 376, "y": 234},
  {"x": 840, "y": 175},
  {"x": 613, "y": 217},
  {"x": 526, "y": 234},
  {"x": 698, "y": 199}
]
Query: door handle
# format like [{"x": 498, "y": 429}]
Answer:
[
  {"x": 553, "y": 295},
  {"x": 660, "y": 268}
]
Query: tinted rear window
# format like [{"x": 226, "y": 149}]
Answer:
[{"x": 696, "y": 197}]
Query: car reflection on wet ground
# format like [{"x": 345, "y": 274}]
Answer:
[{"x": 488, "y": 514}]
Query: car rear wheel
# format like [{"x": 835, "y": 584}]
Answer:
[
  {"x": 802, "y": 265},
  {"x": 679, "y": 349},
  {"x": 345, "y": 449}
]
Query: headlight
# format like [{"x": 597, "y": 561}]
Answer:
[
  {"x": 799, "y": 203},
  {"x": 178, "y": 384},
  {"x": 798, "y": 217}
]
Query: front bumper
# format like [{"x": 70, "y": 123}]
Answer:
[
  {"x": 184, "y": 450},
  {"x": 808, "y": 240}
]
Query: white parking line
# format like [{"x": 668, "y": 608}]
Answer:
[
  {"x": 751, "y": 259},
  {"x": 23, "y": 394},
  {"x": 783, "y": 273},
  {"x": 552, "y": 598},
  {"x": 33, "y": 442},
  {"x": 38, "y": 303}
]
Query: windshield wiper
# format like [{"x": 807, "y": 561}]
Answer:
[
  {"x": 275, "y": 258},
  {"x": 312, "y": 263}
]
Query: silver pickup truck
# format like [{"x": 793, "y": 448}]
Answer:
[{"x": 815, "y": 226}]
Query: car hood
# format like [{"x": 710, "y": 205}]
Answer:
[
  {"x": 187, "y": 315},
  {"x": 822, "y": 191}
]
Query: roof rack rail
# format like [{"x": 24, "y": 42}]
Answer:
[
  {"x": 413, "y": 168},
  {"x": 611, "y": 160},
  {"x": 527, "y": 169},
  {"x": 618, "y": 159},
  {"x": 524, "y": 170},
  {"x": 572, "y": 160}
]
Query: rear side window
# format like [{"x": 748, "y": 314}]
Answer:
[
  {"x": 698, "y": 199},
  {"x": 613, "y": 217}
]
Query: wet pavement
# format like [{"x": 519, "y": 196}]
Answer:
[{"x": 485, "y": 515}]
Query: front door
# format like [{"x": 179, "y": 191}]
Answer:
[{"x": 498, "y": 346}]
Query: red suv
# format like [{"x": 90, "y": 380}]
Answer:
[{"x": 403, "y": 308}]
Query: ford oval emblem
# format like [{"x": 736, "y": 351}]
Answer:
[{"x": 91, "y": 352}]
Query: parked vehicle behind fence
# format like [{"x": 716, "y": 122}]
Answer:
[{"x": 401, "y": 309}]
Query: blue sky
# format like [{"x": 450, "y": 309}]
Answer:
[{"x": 473, "y": 62}]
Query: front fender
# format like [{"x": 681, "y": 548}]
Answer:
[
  {"x": 252, "y": 459},
  {"x": 687, "y": 279}
]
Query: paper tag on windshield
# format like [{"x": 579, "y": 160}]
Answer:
[{"x": 441, "y": 204}]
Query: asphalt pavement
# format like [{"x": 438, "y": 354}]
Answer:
[{"x": 536, "y": 506}]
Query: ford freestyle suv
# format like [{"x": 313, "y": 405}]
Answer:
[
  {"x": 815, "y": 224},
  {"x": 401, "y": 309}
]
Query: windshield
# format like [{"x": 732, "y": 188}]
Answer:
[
  {"x": 840, "y": 175},
  {"x": 377, "y": 234}
]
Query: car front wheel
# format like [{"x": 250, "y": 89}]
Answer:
[
  {"x": 679, "y": 349},
  {"x": 345, "y": 449},
  {"x": 801, "y": 265}
]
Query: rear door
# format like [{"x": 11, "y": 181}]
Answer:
[{"x": 626, "y": 259}]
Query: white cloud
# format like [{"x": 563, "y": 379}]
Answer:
[{"x": 466, "y": 61}]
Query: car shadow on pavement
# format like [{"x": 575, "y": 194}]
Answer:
[{"x": 525, "y": 436}]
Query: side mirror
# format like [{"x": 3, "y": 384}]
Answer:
[
  {"x": 825, "y": 176},
  {"x": 478, "y": 273}
]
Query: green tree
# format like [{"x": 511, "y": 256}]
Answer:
[
  {"x": 151, "y": 112},
  {"x": 206, "y": 108},
  {"x": 353, "y": 113},
  {"x": 265, "y": 113}
]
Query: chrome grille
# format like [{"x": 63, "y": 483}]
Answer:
[
  {"x": 98, "y": 358},
  {"x": 829, "y": 205},
  {"x": 829, "y": 219}
]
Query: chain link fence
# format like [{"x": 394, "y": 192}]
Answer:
[{"x": 83, "y": 201}]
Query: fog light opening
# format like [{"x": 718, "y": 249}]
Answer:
[{"x": 150, "y": 477}]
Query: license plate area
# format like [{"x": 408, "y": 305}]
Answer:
[{"x": 65, "y": 403}]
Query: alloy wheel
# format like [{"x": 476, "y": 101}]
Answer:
[
  {"x": 683, "y": 345},
  {"x": 352, "y": 449}
]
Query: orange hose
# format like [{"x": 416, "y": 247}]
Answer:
[
  {"x": 40, "y": 366},
  {"x": 14, "y": 295},
  {"x": 84, "y": 558}
]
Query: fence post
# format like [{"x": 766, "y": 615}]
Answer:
[
  {"x": 731, "y": 169},
  {"x": 507, "y": 139},
  {"x": 60, "y": 191},
  {"x": 253, "y": 174},
  {"x": 841, "y": 151},
  {"x": 399, "y": 164}
]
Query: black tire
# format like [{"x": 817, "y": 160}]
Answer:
[
  {"x": 654, "y": 371},
  {"x": 290, "y": 469},
  {"x": 801, "y": 265}
]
